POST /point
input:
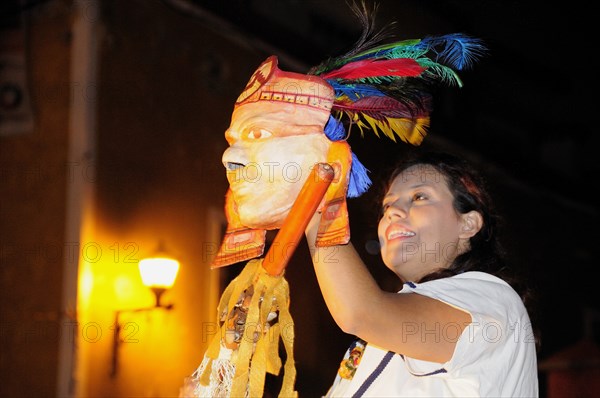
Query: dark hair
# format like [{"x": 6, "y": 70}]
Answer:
[{"x": 470, "y": 192}]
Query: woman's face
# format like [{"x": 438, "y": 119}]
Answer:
[{"x": 420, "y": 231}]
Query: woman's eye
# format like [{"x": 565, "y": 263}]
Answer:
[
  {"x": 258, "y": 134},
  {"x": 419, "y": 196}
]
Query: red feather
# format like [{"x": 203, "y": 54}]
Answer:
[{"x": 371, "y": 68}]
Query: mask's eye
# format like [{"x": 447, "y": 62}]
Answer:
[{"x": 257, "y": 134}]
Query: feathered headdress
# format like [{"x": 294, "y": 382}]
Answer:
[{"x": 387, "y": 87}]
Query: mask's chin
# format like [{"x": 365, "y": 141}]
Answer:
[{"x": 272, "y": 219}]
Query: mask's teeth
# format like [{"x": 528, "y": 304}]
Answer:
[{"x": 232, "y": 166}]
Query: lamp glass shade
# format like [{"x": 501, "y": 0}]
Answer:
[{"x": 159, "y": 272}]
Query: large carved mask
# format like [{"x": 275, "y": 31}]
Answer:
[{"x": 275, "y": 137}]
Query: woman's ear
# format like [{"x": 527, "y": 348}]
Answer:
[{"x": 471, "y": 224}]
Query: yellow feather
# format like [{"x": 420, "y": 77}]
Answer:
[
  {"x": 408, "y": 130},
  {"x": 411, "y": 131}
]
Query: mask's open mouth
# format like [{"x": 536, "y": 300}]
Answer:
[{"x": 233, "y": 166}]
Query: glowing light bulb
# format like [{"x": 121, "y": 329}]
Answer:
[{"x": 159, "y": 272}]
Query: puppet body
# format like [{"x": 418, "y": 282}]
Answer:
[{"x": 254, "y": 315}]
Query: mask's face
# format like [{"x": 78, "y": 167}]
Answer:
[
  {"x": 269, "y": 159},
  {"x": 275, "y": 138}
]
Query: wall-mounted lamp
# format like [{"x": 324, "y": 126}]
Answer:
[{"x": 158, "y": 273}]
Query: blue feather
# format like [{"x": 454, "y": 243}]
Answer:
[
  {"x": 334, "y": 129},
  {"x": 457, "y": 49},
  {"x": 354, "y": 91},
  {"x": 358, "y": 180}
]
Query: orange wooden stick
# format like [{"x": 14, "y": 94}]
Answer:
[{"x": 297, "y": 220}]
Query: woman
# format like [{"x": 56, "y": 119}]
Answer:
[{"x": 456, "y": 328}]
